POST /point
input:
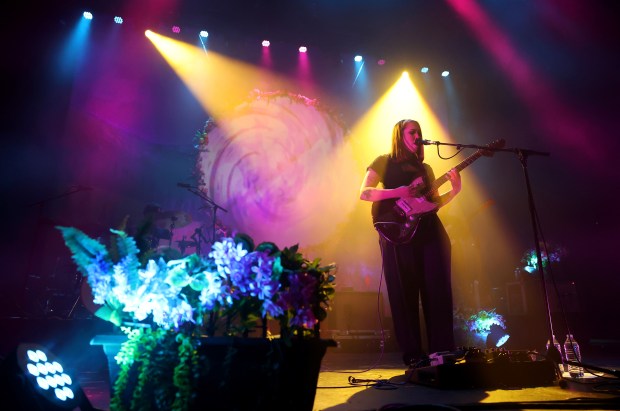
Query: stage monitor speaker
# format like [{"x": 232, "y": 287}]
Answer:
[{"x": 481, "y": 375}]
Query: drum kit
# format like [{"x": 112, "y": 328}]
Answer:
[
  {"x": 168, "y": 234},
  {"x": 171, "y": 235},
  {"x": 174, "y": 234}
]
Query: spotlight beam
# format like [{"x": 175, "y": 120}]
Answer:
[
  {"x": 358, "y": 74},
  {"x": 218, "y": 83}
]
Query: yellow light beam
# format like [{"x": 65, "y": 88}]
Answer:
[
  {"x": 218, "y": 83},
  {"x": 470, "y": 219}
]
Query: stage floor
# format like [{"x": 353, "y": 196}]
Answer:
[
  {"x": 371, "y": 381},
  {"x": 349, "y": 380},
  {"x": 389, "y": 385}
]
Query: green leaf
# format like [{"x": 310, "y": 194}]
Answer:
[
  {"x": 246, "y": 241},
  {"x": 194, "y": 262},
  {"x": 114, "y": 315},
  {"x": 329, "y": 268},
  {"x": 320, "y": 314},
  {"x": 116, "y": 318},
  {"x": 277, "y": 267},
  {"x": 270, "y": 247},
  {"x": 113, "y": 303},
  {"x": 83, "y": 248},
  {"x": 105, "y": 313},
  {"x": 127, "y": 249},
  {"x": 178, "y": 277},
  {"x": 291, "y": 259},
  {"x": 198, "y": 282}
]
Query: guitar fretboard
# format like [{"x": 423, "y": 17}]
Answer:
[
  {"x": 444, "y": 178},
  {"x": 437, "y": 183}
]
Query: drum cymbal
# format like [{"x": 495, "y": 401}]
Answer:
[{"x": 166, "y": 219}]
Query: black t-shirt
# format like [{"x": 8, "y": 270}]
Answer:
[{"x": 396, "y": 174}]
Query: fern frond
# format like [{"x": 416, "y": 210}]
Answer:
[
  {"x": 127, "y": 250},
  {"x": 84, "y": 249}
]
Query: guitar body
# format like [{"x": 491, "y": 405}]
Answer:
[
  {"x": 400, "y": 224},
  {"x": 409, "y": 206},
  {"x": 398, "y": 232}
]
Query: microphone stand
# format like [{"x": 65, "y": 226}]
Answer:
[
  {"x": 198, "y": 238},
  {"x": 553, "y": 354},
  {"x": 35, "y": 240},
  {"x": 210, "y": 203},
  {"x": 71, "y": 190}
]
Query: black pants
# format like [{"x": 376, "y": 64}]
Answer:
[{"x": 418, "y": 270}]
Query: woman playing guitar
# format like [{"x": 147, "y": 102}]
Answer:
[{"x": 414, "y": 245}]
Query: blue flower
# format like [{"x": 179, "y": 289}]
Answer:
[{"x": 236, "y": 282}]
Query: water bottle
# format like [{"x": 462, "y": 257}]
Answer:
[
  {"x": 571, "y": 348},
  {"x": 558, "y": 347}
]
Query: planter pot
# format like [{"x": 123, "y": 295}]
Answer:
[
  {"x": 111, "y": 344},
  {"x": 248, "y": 373}
]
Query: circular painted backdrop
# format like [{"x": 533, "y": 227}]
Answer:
[{"x": 280, "y": 166}]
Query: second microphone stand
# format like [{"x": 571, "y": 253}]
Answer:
[{"x": 209, "y": 204}]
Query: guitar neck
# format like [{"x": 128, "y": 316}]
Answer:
[{"x": 444, "y": 178}]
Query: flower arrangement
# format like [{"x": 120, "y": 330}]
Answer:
[
  {"x": 236, "y": 289},
  {"x": 552, "y": 254},
  {"x": 475, "y": 326},
  {"x": 482, "y": 321}
]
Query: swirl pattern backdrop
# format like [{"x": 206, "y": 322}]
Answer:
[{"x": 280, "y": 166}]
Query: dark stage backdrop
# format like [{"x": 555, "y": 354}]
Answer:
[{"x": 91, "y": 137}]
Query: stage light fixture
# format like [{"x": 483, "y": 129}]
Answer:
[
  {"x": 176, "y": 29},
  {"x": 32, "y": 378},
  {"x": 381, "y": 62},
  {"x": 303, "y": 49},
  {"x": 358, "y": 58},
  {"x": 424, "y": 70},
  {"x": 496, "y": 337},
  {"x": 266, "y": 43},
  {"x": 204, "y": 34},
  {"x": 88, "y": 15},
  {"x": 445, "y": 73},
  {"x": 118, "y": 20}
]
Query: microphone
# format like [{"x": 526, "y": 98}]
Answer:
[
  {"x": 424, "y": 142},
  {"x": 185, "y": 185}
]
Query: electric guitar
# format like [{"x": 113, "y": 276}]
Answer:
[{"x": 400, "y": 224}]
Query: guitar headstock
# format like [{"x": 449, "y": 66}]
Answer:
[{"x": 492, "y": 146}]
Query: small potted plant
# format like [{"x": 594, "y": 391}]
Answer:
[
  {"x": 552, "y": 253},
  {"x": 477, "y": 325},
  {"x": 195, "y": 328}
]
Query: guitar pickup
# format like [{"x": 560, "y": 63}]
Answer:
[{"x": 402, "y": 207}]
